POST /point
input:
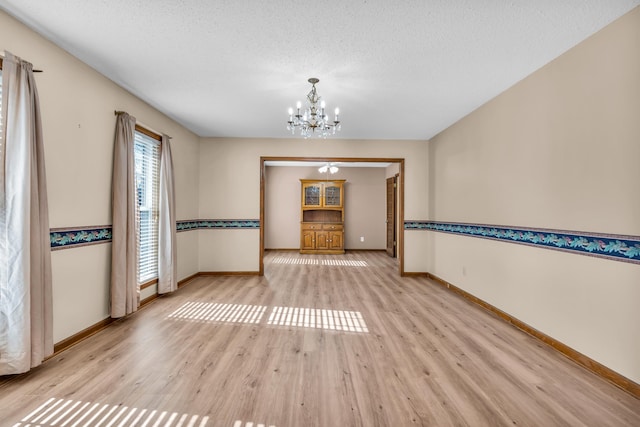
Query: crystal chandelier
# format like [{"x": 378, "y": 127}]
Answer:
[{"x": 313, "y": 120}]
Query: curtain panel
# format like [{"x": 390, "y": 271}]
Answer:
[
  {"x": 26, "y": 309},
  {"x": 125, "y": 293},
  {"x": 167, "y": 260}
]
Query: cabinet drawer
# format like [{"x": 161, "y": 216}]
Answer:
[
  {"x": 311, "y": 226},
  {"x": 332, "y": 227}
]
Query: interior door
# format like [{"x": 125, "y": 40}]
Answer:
[{"x": 391, "y": 215}]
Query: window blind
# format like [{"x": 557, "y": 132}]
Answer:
[{"x": 147, "y": 161}]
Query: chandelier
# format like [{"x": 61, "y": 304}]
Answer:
[{"x": 313, "y": 120}]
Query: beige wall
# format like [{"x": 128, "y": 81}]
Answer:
[
  {"x": 365, "y": 204},
  {"x": 558, "y": 150},
  {"x": 77, "y": 106},
  {"x": 230, "y": 186}
]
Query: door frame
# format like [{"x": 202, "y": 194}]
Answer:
[{"x": 400, "y": 213}]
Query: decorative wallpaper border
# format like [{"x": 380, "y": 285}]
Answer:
[
  {"x": 186, "y": 225},
  {"x": 610, "y": 246},
  {"x": 62, "y": 238},
  {"x": 217, "y": 223},
  {"x": 73, "y": 237}
]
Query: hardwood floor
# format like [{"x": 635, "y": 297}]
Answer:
[{"x": 375, "y": 350}]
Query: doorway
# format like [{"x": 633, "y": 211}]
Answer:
[{"x": 278, "y": 161}]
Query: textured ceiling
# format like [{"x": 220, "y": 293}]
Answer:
[{"x": 397, "y": 69}]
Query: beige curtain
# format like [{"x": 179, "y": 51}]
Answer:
[
  {"x": 167, "y": 261},
  {"x": 26, "y": 319},
  {"x": 125, "y": 293}
]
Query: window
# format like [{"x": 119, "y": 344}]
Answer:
[{"x": 147, "y": 172}]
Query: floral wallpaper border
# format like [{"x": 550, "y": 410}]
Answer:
[
  {"x": 609, "y": 246},
  {"x": 80, "y": 236},
  {"x": 64, "y": 238},
  {"x": 217, "y": 223}
]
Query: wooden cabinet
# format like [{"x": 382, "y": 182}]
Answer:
[{"x": 322, "y": 217}]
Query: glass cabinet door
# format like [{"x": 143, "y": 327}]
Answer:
[
  {"x": 332, "y": 195},
  {"x": 311, "y": 193}
]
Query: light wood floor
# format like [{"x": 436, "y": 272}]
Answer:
[{"x": 234, "y": 351}]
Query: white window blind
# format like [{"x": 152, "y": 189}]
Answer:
[{"x": 147, "y": 160}]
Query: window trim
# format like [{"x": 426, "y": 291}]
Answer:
[
  {"x": 149, "y": 133},
  {"x": 148, "y": 283}
]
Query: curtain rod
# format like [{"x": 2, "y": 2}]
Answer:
[
  {"x": 2, "y": 58},
  {"x": 116, "y": 112}
]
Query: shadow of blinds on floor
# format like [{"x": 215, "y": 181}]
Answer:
[
  {"x": 301, "y": 317},
  {"x": 313, "y": 261},
  {"x": 62, "y": 412}
]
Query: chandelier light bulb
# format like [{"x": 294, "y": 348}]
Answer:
[{"x": 298, "y": 105}]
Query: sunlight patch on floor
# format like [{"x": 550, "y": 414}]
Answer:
[
  {"x": 332, "y": 320},
  {"x": 295, "y": 261},
  {"x": 250, "y": 424},
  {"x": 313, "y": 261},
  {"x": 344, "y": 262},
  {"x": 336, "y": 320},
  {"x": 214, "y": 312},
  {"x": 70, "y": 413}
]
